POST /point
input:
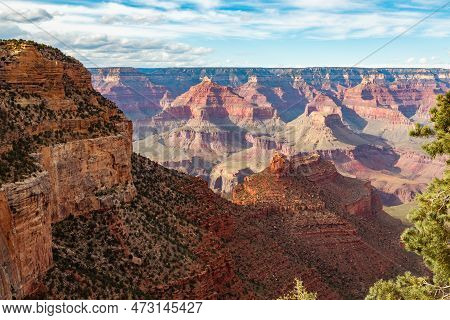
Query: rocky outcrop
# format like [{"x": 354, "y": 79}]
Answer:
[
  {"x": 25, "y": 235},
  {"x": 36, "y": 70},
  {"x": 217, "y": 104},
  {"x": 252, "y": 92},
  {"x": 89, "y": 175},
  {"x": 76, "y": 144},
  {"x": 324, "y": 105},
  {"x": 313, "y": 211},
  {"x": 357, "y": 197}
]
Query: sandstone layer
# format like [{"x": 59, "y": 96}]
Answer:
[
  {"x": 179, "y": 240},
  {"x": 66, "y": 152},
  {"x": 325, "y": 109},
  {"x": 135, "y": 95}
]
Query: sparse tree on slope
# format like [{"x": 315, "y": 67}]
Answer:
[
  {"x": 430, "y": 234},
  {"x": 299, "y": 293}
]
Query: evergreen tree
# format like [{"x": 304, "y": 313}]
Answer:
[
  {"x": 299, "y": 293},
  {"x": 430, "y": 234}
]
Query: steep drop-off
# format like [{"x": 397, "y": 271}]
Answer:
[
  {"x": 83, "y": 217},
  {"x": 65, "y": 150},
  {"x": 177, "y": 239},
  {"x": 234, "y": 122}
]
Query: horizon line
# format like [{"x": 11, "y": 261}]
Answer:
[{"x": 235, "y": 67}]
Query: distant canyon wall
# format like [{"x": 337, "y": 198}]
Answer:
[
  {"x": 223, "y": 124},
  {"x": 144, "y": 92}
]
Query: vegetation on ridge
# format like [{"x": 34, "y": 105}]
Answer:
[
  {"x": 28, "y": 118},
  {"x": 429, "y": 236}
]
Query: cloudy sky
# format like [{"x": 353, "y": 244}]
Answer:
[{"x": 254, "y": 33}]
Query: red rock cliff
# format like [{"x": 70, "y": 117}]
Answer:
[{"x": 82, "y": 152}]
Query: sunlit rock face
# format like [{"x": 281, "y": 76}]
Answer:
[
  {"x": 234, "y": 119},
  {"x": 131, "y": 90},
  {"x": 78, "y": 144}
]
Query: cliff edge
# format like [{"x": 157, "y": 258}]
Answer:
[{"x": 65, "y": 150}]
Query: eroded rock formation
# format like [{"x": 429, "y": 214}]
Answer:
[
  {"x": 81, "y": 217},
  {"x": 131, "y": 90},
  {"x": 324, "y": 109},
  {"x": 25, "y": 235},
  {"x": 66, "y": 152},
  {"x": 320, "y": 215}
]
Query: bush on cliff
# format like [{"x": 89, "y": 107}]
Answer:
[{"x": 430, "y": 234}]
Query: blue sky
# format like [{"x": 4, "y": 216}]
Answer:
[{"x": 253, "y": 33}]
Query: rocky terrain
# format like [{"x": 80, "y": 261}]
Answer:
[
  {"x": 230, "y": 125},
  {"x": 177, "y": 239},
  {"x": 65, "y": 150},
  {"x": 83, "y": 217}
]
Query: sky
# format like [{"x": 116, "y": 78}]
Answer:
[{"x": 236, "y": 33}]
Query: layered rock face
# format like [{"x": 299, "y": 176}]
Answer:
[
  {"x": 320, "y": 215},
  {"x": 79, "y": 177},
  {"x": 89, "y": 175},
  {"x": 397, "y": 175},
  {"x": 373, "y": 99},
  {"x": 46, "y": 78},
  {"x": 410, "y": 91},
  {"x": 25, "y": 235},
  {"x": 131, "y": 90},
  {"x": 215, "y": 103},
  {"x": 67, "y": 152},
  {"x": 291, "y": 111}
]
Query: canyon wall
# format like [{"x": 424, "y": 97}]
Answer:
[
  {"x": 408, "y": 91},
  {"x": 89, "y": 175},
  {"x": 78, "y": 145},
  {"x": 78, "y": 177},
  {"x": 25, "y": 235},
  {"x": 133, "y": 92},
  {"x": 292, "y": 110}
]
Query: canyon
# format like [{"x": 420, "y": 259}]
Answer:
[
  {"x": 223, "y": 124},
  {"x": 76, "y": 146},
  {"x": 83, "y": 217}
]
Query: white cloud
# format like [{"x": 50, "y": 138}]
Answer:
[
  {"x": 25, "y": 16},
  {"x": 9, "y": 31},
  {"x": 329, "y": 4},
  {"x": 426, "y": 62},
  {"x": 111, "y": 30}
]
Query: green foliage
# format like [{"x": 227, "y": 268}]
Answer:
[
  {"x": 299, "y": 293},
  {"x": 440, "y": 116},
  {"x": 17, "y": 163},
  {"x": 404, "y": 287},
  {"x": 429, "y": 236},
  {"x": 421, "y": 131}
]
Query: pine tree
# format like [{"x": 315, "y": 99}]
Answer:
[
  {"x": 429, "y": 236},
  {"x": 299, "y": 293}
]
